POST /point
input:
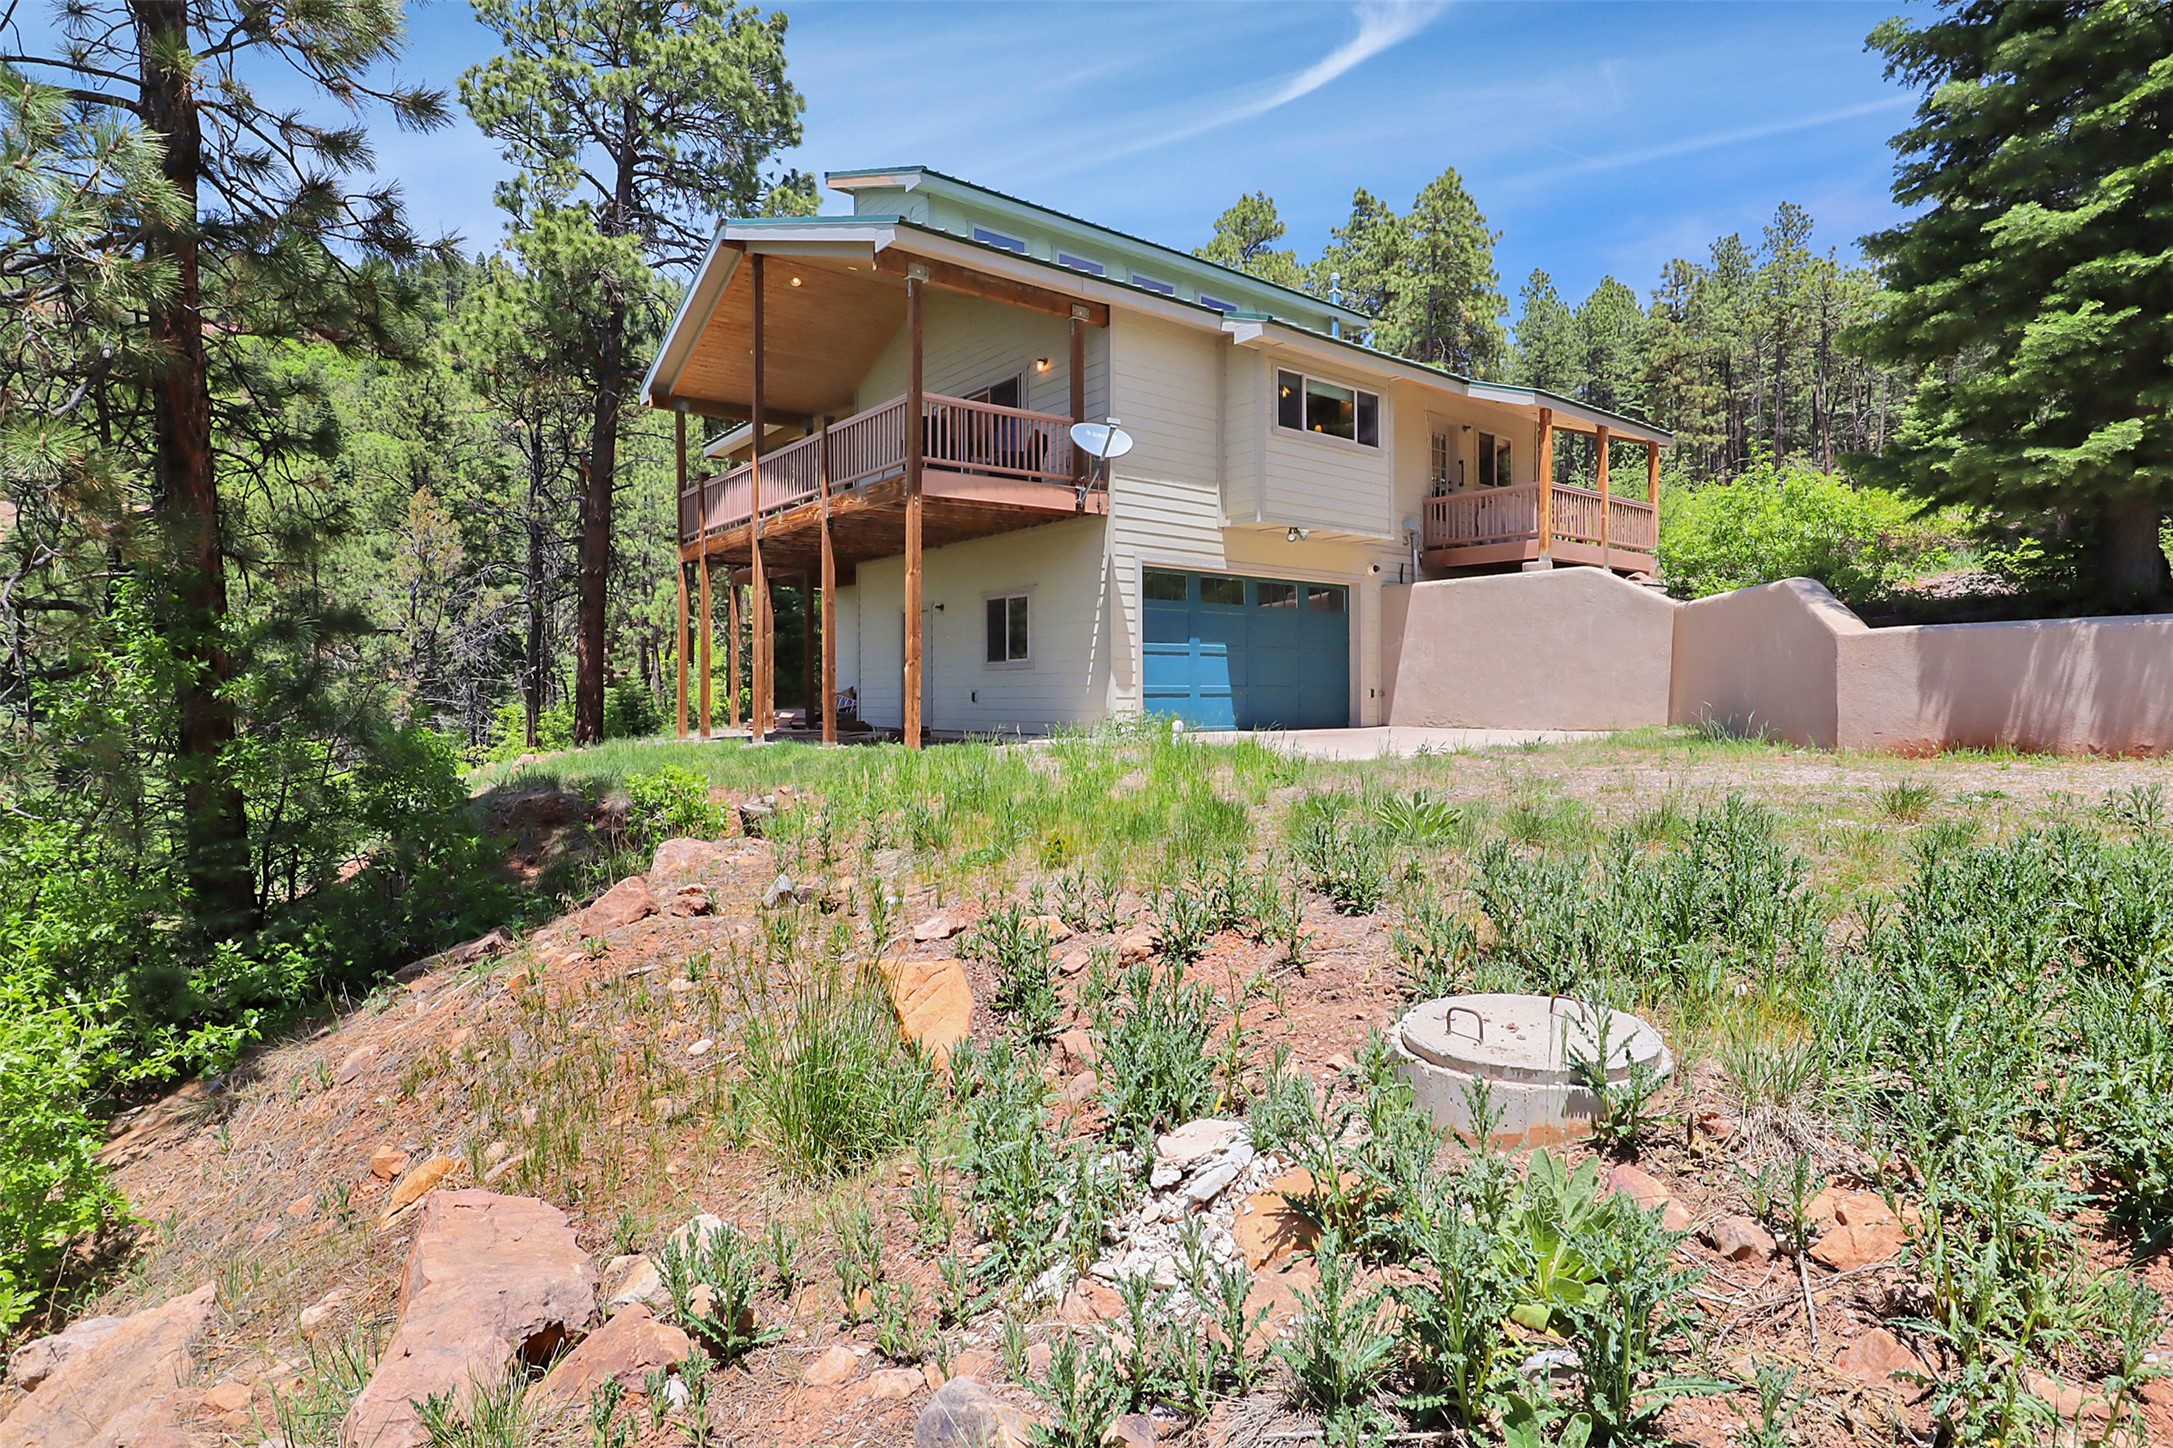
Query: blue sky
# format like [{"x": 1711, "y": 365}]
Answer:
[{"x": 1598, "y": 137}]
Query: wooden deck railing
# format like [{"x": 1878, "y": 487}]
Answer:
[
  {"x": 1482, "y": 516},
  {"x": 868, "y": 447}
]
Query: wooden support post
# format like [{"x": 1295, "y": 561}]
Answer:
[
  {"x": 679, "y": 647},
  {"x": 828, "y": 687},
  {"x": 1076, "y": 365},
  {"x": 1546, "y": 483},
  {"x": 679, "y": 639},
  {"x": 915, "y": 426},
  {"x": 731, "y": 648},
  {"x": 757, "y": 712},
  {"x": 1652, "y": 477},
  {"x": 704, "y": 566},
  {"x": 1600, "y": 443}
]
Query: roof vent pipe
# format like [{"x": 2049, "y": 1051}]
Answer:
[{"x": 1335, "y": 299}]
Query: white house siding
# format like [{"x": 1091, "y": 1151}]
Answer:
[
  {"x": 968, "y": 343},
  {"x": 1326, "y": 482},
  {"x": 1058, "y": 566},
  {"x": 1247, "y": 392}
]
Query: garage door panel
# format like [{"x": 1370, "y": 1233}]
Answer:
[{"x": 1280, "y": 658}]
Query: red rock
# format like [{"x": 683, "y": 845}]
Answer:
[
  {"x": 690, "y": 900},
  {"x": 357, "y": 1061},
  {"x": 387, "y": 1162},
  {"x": 941, "y": 926},
  {"x": 1268, "y": 1228},
  {"x": 1641, "y": 1187},
  {"x": 629, "y": 1347},
  {"x": 1135, "y": 947},
  {"x": 934, "y": 1004},
  {"x": 1075, "y": 1049},
  {"x": 965, "y": 1414},
  {"x": 38, "y": 1359},
  {"x": 685, "y": 859},
  {"x": 123, "y": 1392},
  {"x": 417, "y": 1184},
  {"x": 1089, "y": 1302},
  {"x": 1879, "y": 1358},
  {"x": 1845, "y": 1249},
  {"x": 1740, "y": 1239},
  {"x": 831, "y": 1367},
  {"x": 888, "y": 1385},
  {"x": 1133, "y": 1430},
  {"x": 1082, "y": 1088},
  {"x": 229, "y": 1398},
  {"x": 620, "y": 906},
  {"x": 489, "y": 1280},
  {"x": 1052, "y": 928}
]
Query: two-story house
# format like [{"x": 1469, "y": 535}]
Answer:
[{"x": 903, "y": 382}]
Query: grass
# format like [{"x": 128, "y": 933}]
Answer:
[{"x": 1950, "y": 972}]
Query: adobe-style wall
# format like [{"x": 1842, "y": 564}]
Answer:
[
  {"x": 1575, "y": 648},
  {"x": 1578, "y": 649}
]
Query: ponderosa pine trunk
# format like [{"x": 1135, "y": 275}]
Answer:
[
  {"x": 2132, "y": 569},
  {"x": 593, "y": 572},
  {"x": 532, "y": 655},
  {"x": 185, "y": 500}
]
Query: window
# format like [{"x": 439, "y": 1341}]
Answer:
[
  {"x": 1496, "y": 466},
  {"x": 996, "y": 238},
  {"x": 1165, "y": 288},
  {"x": 1007, "y": 393},
  {"x": 1275, "y": 595},
  {"x": 1229, "y": 592},
  {"x": 1162, "y": 586},
  {"x": 1308, "y": 404},
  {"x": 1217, "y": 303},
  {"x": 1080, "y": 263},
  {"x": 1440, "y": 466},
  {"x": 1007, "y": 629},
  {"x": 1323, "y": 598}
]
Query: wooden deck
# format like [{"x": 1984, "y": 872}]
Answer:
[
  {"x": 1503, "y": 525},
  {"x": 985, "y": 470}
]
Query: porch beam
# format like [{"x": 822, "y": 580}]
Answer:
[
  {"x": 731, "y": 647},
  {"x": 915, "y": 424},
  {"x": 1600, "y": 442},
  {"x": 704, "y": 566},
  {"x": 1652, "y": 476},
  {"x": 1546, "y": 483},
  {"x": 679, "y": 647},
  {"x": 828, "y": 689},
  {"x": 757, "y": 719},
  {"x": 952, "y": 277},
  {"x": 1075, "y": 363}
]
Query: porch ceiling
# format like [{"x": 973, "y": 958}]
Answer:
[{"x": 821, "y": 336}]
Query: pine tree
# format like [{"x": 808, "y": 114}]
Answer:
[
  {"x": 1363, "y": 256},
  {"x": 267, "y": 232},
  {"x": 1610, "y": 330},
  {"x": 1245, "y": 237},
  {"x": 640, "y": 122},
  {"x": 1445, "y": 305},
  {"x": 1549, "y": 353},
  {"x": 2033, "y": 279}
]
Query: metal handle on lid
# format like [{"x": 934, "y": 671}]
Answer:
[{"x": 1449, "y": 1020}]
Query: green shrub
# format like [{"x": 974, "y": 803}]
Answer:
[
  {"x": 1155, "y": 1068},
  {"x": 670, "y": 802},
  {"x": 51, "y": 1186},
  {"x": 1787, "y": 520}
]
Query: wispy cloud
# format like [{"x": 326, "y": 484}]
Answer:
[
  {"x": 1382, "y": 25},
  {"x": 1717, "y": 140}
]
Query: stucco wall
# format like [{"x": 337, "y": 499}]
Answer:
[
  {"x": 1574, "y": 648},
  {"x": 1580, "y": 649}
]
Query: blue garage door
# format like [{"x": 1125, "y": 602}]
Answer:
[{"x": 1224, "y": 652}]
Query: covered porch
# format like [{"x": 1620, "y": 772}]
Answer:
[
  {"x": 793, "y": 318},
  {"x": 1545, "y": 522}
]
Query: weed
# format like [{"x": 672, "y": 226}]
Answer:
[
  {"x": 1908, "y": 800},
  {"x": 1342, "y": 1346},
  {"x": 1778, "y": 1403},
  {"x": 1018, "y": 950},
  {"x": 723, "y": 1262},
  {"x": 897, "y": 1327},
  {"x": 1347, "y": 861},
  {"x": 496, "y": 1414},
  {"x": 1624, "y": 1115},
  {"x": 2140, "y": 807},
  {"x": 1437, "y": 949},
  {"x": 1155, "y": 1068},
  {"x": 668, "y": 802},
  {"x": 928, "y": 1201},
  {"x": 311, "y": 1410},
  {"x": 781, "y": 1248},
  {"x": 860, "y": 1259},
  {"x": 1083, "y": 1394},
  {"x": 1011, "y": 1155},
  {"x": 606, "y": 1428},
  {"x": 1184, "y": 921}
]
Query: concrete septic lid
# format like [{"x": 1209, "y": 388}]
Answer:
[{"x": 1526, "y": 1038}]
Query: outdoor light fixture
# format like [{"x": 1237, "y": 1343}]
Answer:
[
  {"x": 795, "y": 281},
  {"x": 1041, "y": 364},
  {"x": 1298, "y": 535}
]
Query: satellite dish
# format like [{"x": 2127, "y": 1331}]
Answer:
[{"x": 1104, "y": 440}]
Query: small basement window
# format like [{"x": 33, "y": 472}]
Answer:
[
  {"x": 1007, "y": 630},
  {"x": 1311, "y": 404},
  {"x": 996, "y": 238}
]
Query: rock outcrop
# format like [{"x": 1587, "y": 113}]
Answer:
[
  {"x": 123, "y": 1391},
  {"x": 489, "y": 1280}
]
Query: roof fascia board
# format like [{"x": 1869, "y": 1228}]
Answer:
[
  {"x": 1276, "y": 336},
  {"x": 1033, "y": 271},
  {"x": 1627, "y": 429},
  {"x": 718, "y": 264},
  {"x": 936, "y": 183}
]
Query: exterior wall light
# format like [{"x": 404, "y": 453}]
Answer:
[{"x": 1298, "y": 535}]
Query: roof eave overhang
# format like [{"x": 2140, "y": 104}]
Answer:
[{"x": 1625, "y": 429}]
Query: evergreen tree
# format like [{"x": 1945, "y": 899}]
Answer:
[
  {"x": 1549, "y": 352},
  {"x": 2033, "y": 279},
  {"x": 1363, "y": 256},
  {"x": 634, "y": 125},
  {"x": 1444, "y": 300},
  {"x": 1610, "y": 331},
  {"x": 267, "y": 232},
  {"x": 1245, "y": 237}
]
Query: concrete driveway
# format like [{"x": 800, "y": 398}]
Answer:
[{"x": 1392, "y": 741}]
